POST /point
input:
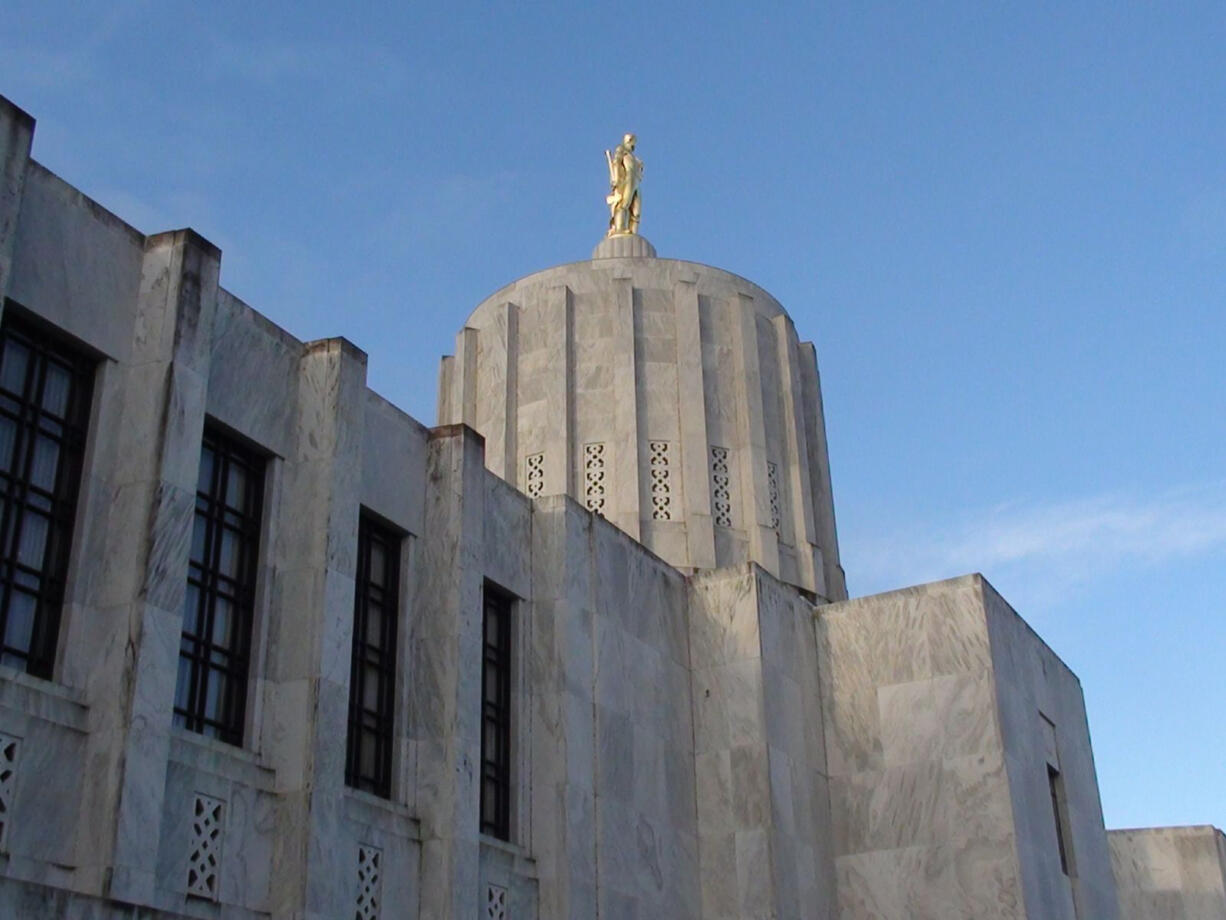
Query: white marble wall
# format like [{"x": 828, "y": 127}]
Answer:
[
  {"x": 1170, "y": 873},
  {"x": 1043, "y": 723},
  {"x": 934, "y": 699},
  {"x": 627, "y": 352},
  {"x": 763, "y": 798}
]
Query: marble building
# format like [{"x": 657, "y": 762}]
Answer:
[{"x": 271, "y": 648}]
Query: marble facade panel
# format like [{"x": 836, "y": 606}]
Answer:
[
  {"x": 724, "y": 626},
  {"x": 16, "y": 138},
  {"x": 937, "y": 719},
  {"x": 41, "y": 809},
  {"x": 1038, "y": 695},
  {"x": 507, "y": 553},
  {"x": 1169, "y": 873},
  {"x": 76, "y": 264},
  {"x": 253, "y": 380}
]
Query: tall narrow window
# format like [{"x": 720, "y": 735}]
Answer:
[
  {"x": 496, "y": 715},
  {"x": 211, "y": 693},
  {"x": 372, "y": 680},
  {"x": 45, "y": 391},
  {"x": 1055, "y": 786}
]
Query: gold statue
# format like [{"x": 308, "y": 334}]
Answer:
[{"x": 625, "y": 174}]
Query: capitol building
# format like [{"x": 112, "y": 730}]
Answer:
[{"x": 581, "y": 650}]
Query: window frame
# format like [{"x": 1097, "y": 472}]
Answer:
[
  {"x": 20, "y": 497},
  {"x": 199, "y": 649},
  {"x": 497, "y": 713},
  {"x": 1059, "y": 808},
  {"x": 371, "y": 530}
]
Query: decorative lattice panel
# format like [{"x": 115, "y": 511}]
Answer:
[
  {"x": 661, "y": 492},
  {"x": 204, "y": 855},
  {"x": 370, "y": 883},
  {"x": 721, "y": 499},
  {"x": 10, "y": 746},
  {"x": 594, "y": 478},
  {"x": 495, "y": 903},
  {"x": 535, "y": 475},
  {"x": 772, "y": 481}
]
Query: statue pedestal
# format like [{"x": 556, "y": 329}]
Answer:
[{"x": 624, "y": 246}]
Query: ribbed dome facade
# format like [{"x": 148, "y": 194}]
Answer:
[{"x": 673, "y": 398}]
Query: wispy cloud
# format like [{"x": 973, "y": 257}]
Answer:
[
  {"x": 1072, "y": 541},
  {"x": 73, "y": 62}
]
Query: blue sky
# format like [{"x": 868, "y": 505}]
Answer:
[{"x": 1003, "y": 225}]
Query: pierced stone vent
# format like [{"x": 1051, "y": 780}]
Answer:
[
  {"x": 772, "y": 480},
  {"x": 9, "y": 746},
  {"x": 204, "y": 857},
  {"x": 721, "y": 505},
  {"x": 661, "y": 493},
  {"x": 495, "y": 903},
  {"x": 535, "y": 478},
  {"x": 370, "y": 883},
  {"x": 593, "y": 478}
]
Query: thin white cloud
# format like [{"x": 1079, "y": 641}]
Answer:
[{"x": 1073, "y": 541}]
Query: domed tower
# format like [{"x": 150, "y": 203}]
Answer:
[{"x": 672, "y": 398}]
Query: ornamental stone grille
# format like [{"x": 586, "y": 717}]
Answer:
[
  {"x": 535, "y": 478},
  {"x": 370, "y": 883},
  {"x": 495, "y": 903},
  {"x": 9, "y": 747},
  {"x": 772, "y": 479},
  {"x": 661, "y": 492},
  {"x": 204, "y": 856},
  {"x": 594, "y": 478},
  {"x": 721, "y": 504}
]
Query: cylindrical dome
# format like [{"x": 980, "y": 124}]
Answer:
[{"x": 672, "y": 398}]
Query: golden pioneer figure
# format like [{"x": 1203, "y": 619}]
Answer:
[{"x": 625, "y": 174}]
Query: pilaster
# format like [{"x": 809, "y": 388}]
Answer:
[
  {"x": 498, "y": 409},
  {"x": 626, "y": 447},
  {"x": 306, "y": 714},
  {"x": 563, "y": 720},
  {"x": 125, "y": 652},
  {"x": 763, "y": 541},
  {"x": 558, "y": 328},
  {"x": 16, "y": 137},
  {"x": 446, "y": 655},
  {"x": 732, "y": 765},
  {"x": 461, "y": 372},
  {"x": 819, "y": 464},
  {"x": 796, "y": 457},
  {"x": 692, "y": 421}
]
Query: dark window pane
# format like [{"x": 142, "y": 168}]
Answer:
[
  {"x": 372, "y": 674},
  {"x": 215, "y": 687},
  {"x": 204, "y": 480},
  {"x": 8, "y": 439},
  {"x": 496, "y": 716},
  {"x": 57, "y": 386},
  {"x": 223, "y": 625},
  {"x": 44, "y": 402},
  {"x": 236, "y": 487},
  {"x": 19, "y": 626},
  {"x": 45, "y": 465},
  {"x": 16, "y": 358},
  {"x": 200, "y": 530},
  {"x": 228, "y": 553},
  {"x": 182, "y": 684},
  {"x": 377, "y": 563},
  {"x": 1057, "y": 808},
  {"x": 33, "y": 541},
  {"x": 211, "y": 693}
]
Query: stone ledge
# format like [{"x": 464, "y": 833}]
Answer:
[{"x": 624, "y": 246}]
